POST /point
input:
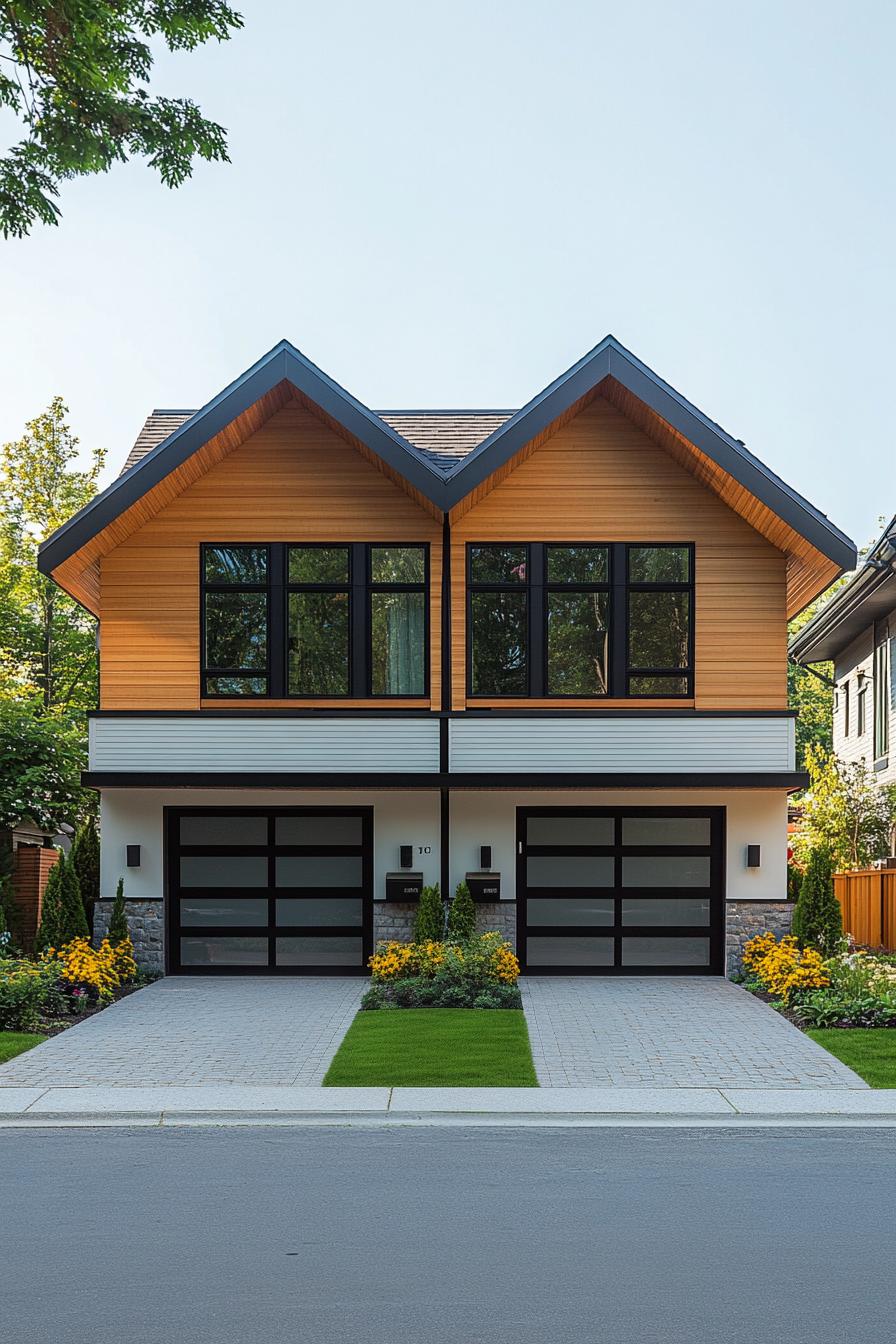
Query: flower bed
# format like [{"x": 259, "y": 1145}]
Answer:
[
  {"x": 66, "y": 982},
  {"x": 854, "y": 988},
  {"x": 476, "y": 973}
]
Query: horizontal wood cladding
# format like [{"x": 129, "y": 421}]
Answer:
[
  {"x": 293, "y": 479},
  {"x": 602, "y": 478}
]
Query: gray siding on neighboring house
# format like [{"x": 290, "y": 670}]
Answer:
[{"x": 858, "y": 658}]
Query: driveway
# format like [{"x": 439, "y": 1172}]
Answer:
[
  {"x": 256, "y": 1030},
  {"x": 668, "y": 1031}
]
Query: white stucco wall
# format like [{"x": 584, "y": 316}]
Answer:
[{"x": 478, "y": 817}]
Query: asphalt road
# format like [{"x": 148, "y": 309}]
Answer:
[{"x": 432, "y": 1235}]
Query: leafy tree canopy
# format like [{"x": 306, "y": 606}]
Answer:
[
  {"x": 75, "y": 74},
  {"x": 844, "y": 812},
  {"x": 40, "y": 766}
]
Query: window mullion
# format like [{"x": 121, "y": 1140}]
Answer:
[{"x": 618, "y": 621}]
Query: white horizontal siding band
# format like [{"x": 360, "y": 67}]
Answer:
[
  {"x": 289, "y": 745},
  {"x": 569, "y": 746}
]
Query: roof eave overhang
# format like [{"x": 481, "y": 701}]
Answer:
[{"x": 868, "y": 596}]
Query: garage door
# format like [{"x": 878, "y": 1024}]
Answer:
[
  {"x": 283, "y": 891},
  {"x": 622, "y": 891}
]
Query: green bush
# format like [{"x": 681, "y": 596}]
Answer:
[
  {"x": 817, "y": 919},
  {"x": 27, "y": 988},
  {"x": 72, "y": 920},
  {"x": 429, "y": 923},
  {"x": 861, "y": 994},
  {"x": 440, "y": 992},
  {"x": 49, "y": 931},
  {"x": 86, "y": 859},
  {"x": 118, "y": 920},
  {"x": 462, "y": 914}
]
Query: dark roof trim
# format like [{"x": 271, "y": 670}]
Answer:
[
  {"x": 282, "y": 364},
  {"x": 285, "y": 363},
  {"x": 136, "y": 779},
  {"x": 611, "y": 359},
  {"x": 865, "y": 597}
]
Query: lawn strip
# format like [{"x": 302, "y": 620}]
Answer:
[
  {"x": 869, "y": 1051},
  {"x": 14, "y": 1043}
]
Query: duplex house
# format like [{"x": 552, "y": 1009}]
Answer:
[
  {"x": 344, "y": 653},
  {"x": 855, "y": 630}
]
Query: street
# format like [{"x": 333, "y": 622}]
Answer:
[{"x": 475, "y": 1236}]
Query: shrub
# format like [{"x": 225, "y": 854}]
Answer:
[
  {"x": 26, "y": 987},
  {"x": 817, "y": 918},
  {"x": 782, "y": 968},
  {"x": 49, "y": 931},
  {"x": 118, "y": 919},
  {"x": 85, "y": 856},
  {"x": 462, "y": 914},
  {"x": 98, "y": 970},
  {"x": 429, "y": 924},
  {"x": 72, "y": 920},
  {"x": 479, "y": 973}
]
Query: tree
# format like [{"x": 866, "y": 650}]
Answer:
[
  {"x": 49, "y": 931},
  {"x": 76, "y": 76},
  {"x": 817, "y": 917},
  {"x": 85, "y": 857},
  {"x": 118, "y": 920},
  {"x": 73, "y": 921},
  {"x": 40, "y": 765},
  {"x": 49, "y": 641},
  {"x": 844, "y": 812},
  {"x": 429, "y": 924},
  {"x": 462, "y": 914}
]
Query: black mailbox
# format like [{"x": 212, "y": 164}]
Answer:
[
  {"x": 403, "y": 886},
  {"x": 484, "y": 886}
]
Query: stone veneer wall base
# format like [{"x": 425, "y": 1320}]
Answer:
[
  {"x": 146, "y": 925},
  {"x": 744, "y": 919},
  {"x": 393, "y": 921}
]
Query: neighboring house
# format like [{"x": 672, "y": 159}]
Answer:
[
  {"x": 856, "y": 631},
  {"x": 343, "y": 653}
]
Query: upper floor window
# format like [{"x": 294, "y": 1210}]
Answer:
[
  {"x": 861, "y": 714},
  {"x": 882, "y": 673},
  {"x": 315, "y": 620},
  {"x": 846, "y": 709},
  {"x": 585, "y": 620}
]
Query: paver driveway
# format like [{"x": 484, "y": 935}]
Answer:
[
  {"x": 667, "y": 1031},
  {"x": 255, "y": 1030}
]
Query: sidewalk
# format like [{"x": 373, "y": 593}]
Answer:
[{"x": 52, "y": 1107}]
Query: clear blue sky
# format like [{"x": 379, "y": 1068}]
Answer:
[{"x": 448, "y": 205}]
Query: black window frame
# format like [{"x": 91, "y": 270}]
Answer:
[
  {"x": 882, "y": 672},
  {"x": 861, "y": 708},
  {"x": 278, "y": 588},
  {"x": 537, "y": 588},
  {"x": 207, "y": 586},
  {"x": 846, "y": 700}
]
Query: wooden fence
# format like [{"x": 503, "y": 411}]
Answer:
[{"x": 868, "y": 901}]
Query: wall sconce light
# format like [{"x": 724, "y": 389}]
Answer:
[
  {"x": 133, "y": 855},
  {"x": 753, "y": 856},
  {"x": 485, "y": 857},
  {"x": 406, "y": 853}
]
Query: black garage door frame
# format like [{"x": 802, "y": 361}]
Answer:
[
  {"x": 715, "y": 891},
  {"x": 173, "y": 850}
]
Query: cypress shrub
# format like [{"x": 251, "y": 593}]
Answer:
[
  {"x": 50, "y": 927},
  {"x": 118, "y": 920},
  {"x": 85, "y": 856},
  {"x": 462, "y": 914},
  {"x": 817, "y": 918},
  {"x": 429, "y": 923},
  {"x": 72, "y": 920}
]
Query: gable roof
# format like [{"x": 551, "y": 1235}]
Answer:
[
  {"x": 444, "y": 437},
  {"x": 867, "y": 596},
  {"x": 721, "y": 461}
]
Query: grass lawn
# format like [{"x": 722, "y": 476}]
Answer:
[
  {"x": 871, "y": 1051},
  {"x": 12, "y": 1043},
  {"x": 435, "y": 1047}
]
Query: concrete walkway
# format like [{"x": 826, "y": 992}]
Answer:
[
  {"x": 667, "y": 1032},
  {"x": 263, "y": 1030}
]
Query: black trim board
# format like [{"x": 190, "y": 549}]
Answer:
[
  {"x": 336, "y": 712},
  {"x": 284, "y": 363},
  {"x": 492, "y": 782}
]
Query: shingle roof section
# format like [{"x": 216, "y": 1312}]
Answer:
[{"x": 444, "y": 437}]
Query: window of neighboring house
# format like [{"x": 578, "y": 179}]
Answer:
[
  {"x": 882, "y": 675},
  {"x": 584, "y": 620},
  {"x": 846, "y": 709},
  {"x": 235, "y": 620},
  {"x": 323, "y": 620},
  {"x": 860, "y": 710}
]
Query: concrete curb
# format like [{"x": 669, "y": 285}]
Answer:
[{"x": 53, "y": 1107}]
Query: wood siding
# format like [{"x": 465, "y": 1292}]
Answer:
[
  {"x": 293, "y": 479},
  {"x": 868, "y": 901},
  {"x": 602, "y": 478}
]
